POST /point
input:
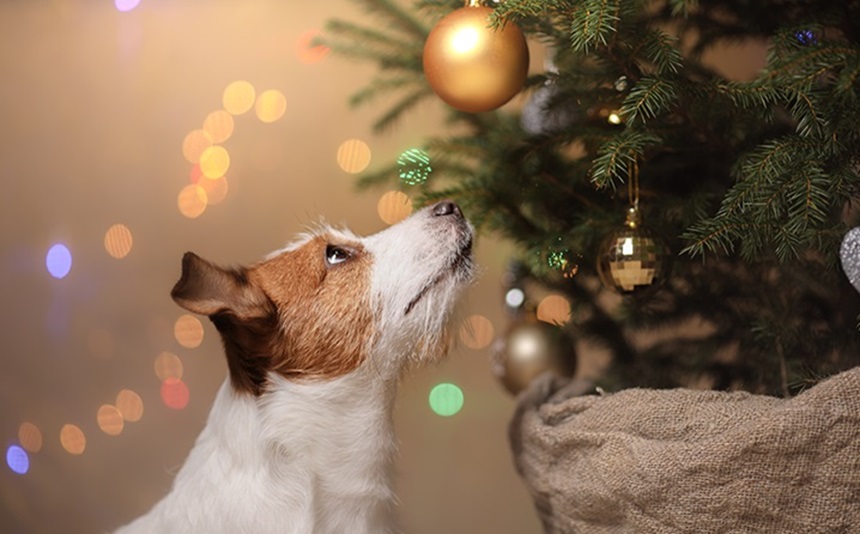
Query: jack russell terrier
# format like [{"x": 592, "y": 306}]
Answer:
[{"x": 300, "y": 437}]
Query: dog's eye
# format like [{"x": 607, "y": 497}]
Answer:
[{"x": 335, "y": 254}]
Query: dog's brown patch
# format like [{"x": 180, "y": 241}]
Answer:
[{"x": 292, "y": 314}]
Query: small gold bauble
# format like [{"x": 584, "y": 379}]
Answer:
[
  {"x": 632, "y": 260},
  {"x": 472, "y": 67},
  {"x": 530, "y": 348}
]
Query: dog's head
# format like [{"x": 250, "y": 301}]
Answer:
[{"x": 333, "y": 302}]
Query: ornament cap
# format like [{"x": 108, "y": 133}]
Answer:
[{"x": 634, "y": 218}]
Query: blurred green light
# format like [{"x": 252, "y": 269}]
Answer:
[
  {"x": 446, "y": 399},
  {"x": 414, "y": 166}
]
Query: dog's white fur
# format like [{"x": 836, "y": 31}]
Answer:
[{"x": 314, "y": 453}]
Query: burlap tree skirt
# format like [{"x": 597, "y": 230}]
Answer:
[{"x": 643, "y": 461}]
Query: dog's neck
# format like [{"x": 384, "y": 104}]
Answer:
[{"x": 311, "y": 456}]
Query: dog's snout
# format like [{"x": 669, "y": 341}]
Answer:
[{"x": 446, "y": 207}]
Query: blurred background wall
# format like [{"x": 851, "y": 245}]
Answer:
[{"x": 104, "y": 382}]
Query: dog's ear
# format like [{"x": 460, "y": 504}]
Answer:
[{"x": 208, "y": 289}]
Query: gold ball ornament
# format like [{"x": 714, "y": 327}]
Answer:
[
  {"x": 471, "y": 66},
  {"x": 528, "y": 349},
  {"x": 632, "y": 260}
]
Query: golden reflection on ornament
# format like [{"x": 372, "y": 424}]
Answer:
[
  {"x": 353, "y": 156},
  {"x": 393, "y": 207},
  {"x": 30, "y": 437},
  {"x": 188, "y": 331},
  {"x": 219, "y": 125},
  {"x": 271, "y": 105},
  {"x": 476, "y": 332},
  {"x": 216, "y": 189},
  {"x": 192, "y": 201},
  {"x": 168, "y": 365},
  {"x": 194, "y": 144},
  {"x": 553, "y": 309},
  {"x": 118, "y": 241},
  {"x": 110, "y": 420},
  {"x": 100, "y": 344},
  {"x": 307, "y": 52},
  {"x": 238, "y": 97},
  {"x": 214, "y": 162},
  {"x": 130, "y": 405},
  {"x": 72, "y": 439}
]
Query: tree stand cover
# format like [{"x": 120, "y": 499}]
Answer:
[{"x": 691, "y": 461}]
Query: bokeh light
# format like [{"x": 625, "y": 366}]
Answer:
[
  {"x": 72, "y": 439},
  {"x": 216, "y": 189},
  {"x": 214, "y": 161},
  {"x": 30, "y": 437},
  {"x": 219, "y": 125},
  {"x": 394, "y": 206},
  {"x": 515, "y": 297},
  {"x": 446, "y": 399},
  {"x": 118, "y": 241},
  {"x": 238, "y": 97},
  {"x": 17, "y": 459},
  {"x": 353, "y": 156},
  {"x": 130, "y": 405},
  {"x": 188, "y": 331},
  {"x": 554, "y": 309},
  {"x": 271, "y": 105},
  {"x": 476, "y": 332},
  {"x": 306, "y": 51},
  {"x": 195, "y": 142},
  {"x": 195, "y": 176},
  {"x": 192, "y": 201},
  {"x": 110, "y": 420},
  {"x": 174, "y": 393},
  {"x": 414, "y": 166},
  {"x": 168, "y": 365},
  {"x": 126, "y": 5},
  {"x": 58, "y": 261}
]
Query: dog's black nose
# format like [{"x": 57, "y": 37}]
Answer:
[{"x": 446, "y": 207}]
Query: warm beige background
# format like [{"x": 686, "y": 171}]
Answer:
[{"x": 94, "y": 105}]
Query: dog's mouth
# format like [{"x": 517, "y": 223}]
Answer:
[{"x": 460, "y": 266}]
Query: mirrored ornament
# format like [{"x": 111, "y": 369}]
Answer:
[
  {"x": 632, "y": 260},
  {"x": 849, "y": 255},
  {"x": 530, "y": 348}
]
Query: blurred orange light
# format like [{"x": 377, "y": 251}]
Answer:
[
  {"x": 188, "y": 331},
  {"x": 238, "y": 97},
  {"x": 192, "y": 201},
  {"x": 393, "y": 207},
  {"x": 118, "y": 241},
  {"x": 219, "y": 125},
  {"x": 476, "y": 332},
  {"x": 168, "y": 365},
  {"x": 72, "y": 439},
  {"x": 271, "y": 105},
  {"x": 174, "y": 393},
  {"x": 214, "y": 161},
  {"x": 130, "y": 405},
  {"x": 194, "y": 144},
  {"x": 30, "y": 437},
  {"x": 554, "y": 309},
  {"x": 216, "y": 189},
  {"x": 306, "y": 51},
  {"x": 196, "y": 175},
  {"x": 110, "y": 420},
  {"x": 353, "y": 156}
]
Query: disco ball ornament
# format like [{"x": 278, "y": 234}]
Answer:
[
  {"x": 530, "y": 348},
  {"x": 849, "y": 255},
  {"x": 471, "y": 66},
  {"x": 632, "y": 261}
]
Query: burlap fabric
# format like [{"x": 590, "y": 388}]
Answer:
[{"x": 647, "y": 461}]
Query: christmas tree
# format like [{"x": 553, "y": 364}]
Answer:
[{"x": 748, "y": 183}]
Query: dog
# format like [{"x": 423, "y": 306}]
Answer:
[{"x": 317, "y": 335}]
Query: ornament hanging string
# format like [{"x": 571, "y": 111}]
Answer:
[{"x": 633, "y": 184}]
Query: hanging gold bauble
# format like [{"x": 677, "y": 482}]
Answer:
[
  {"x": 530, "y": 348},
  {"x": 472, "y": 67},
  {"x": 632, "y": 260}
]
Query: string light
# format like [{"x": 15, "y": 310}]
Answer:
[
  {"x": 58, "y": 261},
  {"x": 271, "y": 105},
  {"x": 130, "y": 405},
  {"x": 476, "y": 332},
  {"x": 188, "y": 331},
  {"x": 393, "y": 207},
  {"x": 118, "y": 241},
  {"x": 238, "y": 97},
  {"x": 17, "y": 460},
  {"x": 446, "y": 399},
  {"x": 174, "y": 393},
  {"x": 554, "y": 309},
  {"x": 353, "y": 156},
  {"x": 72, "y": 439}
]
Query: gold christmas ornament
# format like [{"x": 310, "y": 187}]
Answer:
[
  {"x": 471, "y": 66},
  {"x": 528, "y": 349},
  {"x": 632, "y": 260}
]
